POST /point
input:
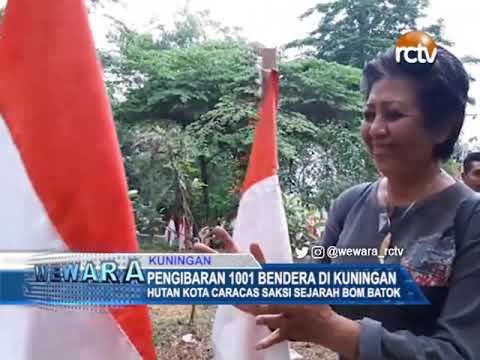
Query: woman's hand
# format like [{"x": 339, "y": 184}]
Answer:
[
  {"x": 221, "y": 234},
  {"x": 311, "y": 323},
  {"x": 293, "y": 322},
  {"x": 229, "y": 246}
]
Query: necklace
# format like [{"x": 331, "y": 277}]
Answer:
[
  {"x": 387, "y": 240},
  {"x": 385, "y": 221}
]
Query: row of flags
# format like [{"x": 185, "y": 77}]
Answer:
[{"x": 63, "y": 188}]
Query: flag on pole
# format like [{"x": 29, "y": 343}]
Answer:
[
  {"x": 62, "y": 182},
  {"x": 261, "y": 218}
]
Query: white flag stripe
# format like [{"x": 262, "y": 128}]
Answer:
[
  {"x": 261, "y": 218},
  {"x": 24, "y": 223}
]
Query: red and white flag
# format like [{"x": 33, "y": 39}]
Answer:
[
  {"x": 261, "y": 218},
  {"x": 62, "y": 182}
]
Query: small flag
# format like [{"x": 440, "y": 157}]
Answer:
[
  {"x": 62, "y": 182},
  {"x": 261, "y": 218}
]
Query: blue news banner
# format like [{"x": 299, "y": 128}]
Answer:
[{"x": 78, "y": 279}]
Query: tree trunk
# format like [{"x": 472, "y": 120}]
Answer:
[{"x": 204, "y": 177}]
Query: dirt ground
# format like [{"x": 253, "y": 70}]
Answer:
[{"x": 171, "y": 323}]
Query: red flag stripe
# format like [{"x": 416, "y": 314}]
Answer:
[{"x": 263, "y": 161}]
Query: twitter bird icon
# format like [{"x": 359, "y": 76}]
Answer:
[{"x": 301, "y": 253}]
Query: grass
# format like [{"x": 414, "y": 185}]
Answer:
[{"x": 171, "y": 323}]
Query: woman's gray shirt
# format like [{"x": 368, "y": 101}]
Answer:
[{"x": 441, "y": 240}]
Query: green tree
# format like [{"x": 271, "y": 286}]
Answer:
[
  {"x": 161, "y": 170},
  {"x": 186, "y": 86},
  {"x": 352, "y": 32},
  {"x": 321, "y": 90}
]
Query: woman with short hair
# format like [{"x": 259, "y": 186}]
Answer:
[{"x": 412, "y": 119}]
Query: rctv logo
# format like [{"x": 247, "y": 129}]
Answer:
[{"x": 415, "y": 47}]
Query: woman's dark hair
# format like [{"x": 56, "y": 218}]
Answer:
[{"x": 442, "y": 92}]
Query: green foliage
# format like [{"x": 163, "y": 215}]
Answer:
[
  {"x": 186, "y": 108},
  {"x": 321, "y": 90},
  {"x": 297, "y": 213},
  {"x": 452, "y": 167},
  {"x": 352, "y": 32},
  {"x": 192, "y": 28},
  {"x": 162, "y": 171},
  {"x": 182, "y": 84},
  {"x": 323, "y": 170}
]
